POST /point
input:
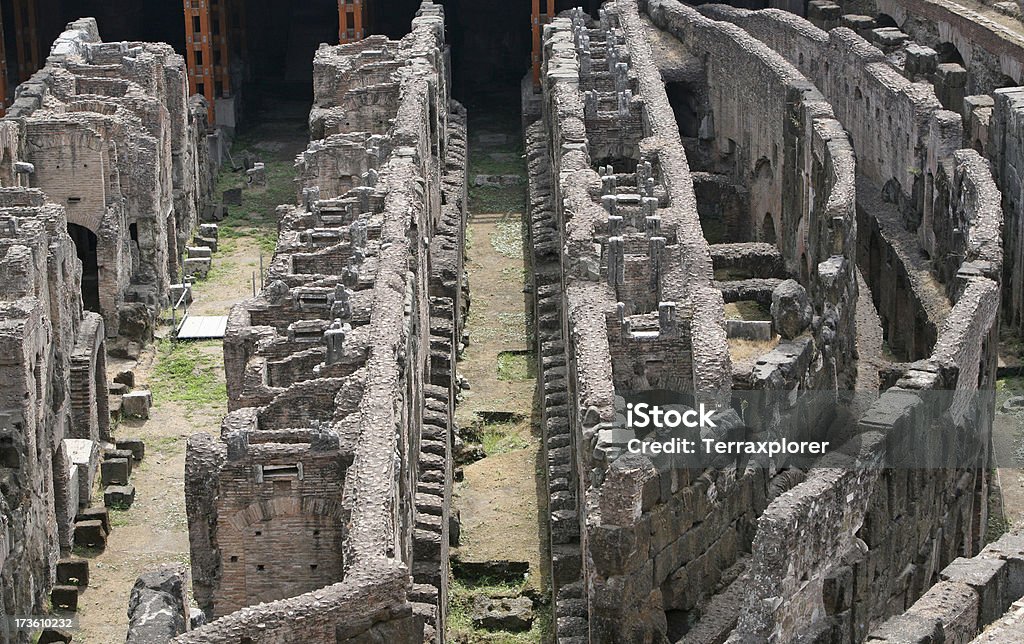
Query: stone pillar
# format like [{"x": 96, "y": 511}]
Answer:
[{"x": 616, "y": 262}]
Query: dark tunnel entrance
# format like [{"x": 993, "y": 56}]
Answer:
[{"x": 85, "y": 245}]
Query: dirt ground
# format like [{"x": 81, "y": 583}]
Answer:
[
  {"x": 154, "y": 531},
  {"x": 498, "y": 498}
]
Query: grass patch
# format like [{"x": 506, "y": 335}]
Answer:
[
  {"x": 510, "y": 199},
  {"x": 516, "y": 366},
  {"x": 187, "y": 374},
  {"x": 499, "y": 162},
  {"x": 507, "y": 238},
  {"x": 747, "y": 310},
  {"x": 118, "y": 517},
  {"x": 998, "y": 524},
  {"x": 502, "y": 438},
  {"x": 460, "y": 611}
]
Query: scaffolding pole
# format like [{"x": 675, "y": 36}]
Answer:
[
  {"x": 537, "y": 21},
  {"x": 199, "y": 52},
  {"x": 351, "y": 20},
  {"x": 3, "y": 69}
]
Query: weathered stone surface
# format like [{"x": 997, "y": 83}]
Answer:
[
  {"x": 120, "y": 497},
  {"x": 137, "y": 403},
  {"x": 513, "y": 614},
  {"x": 90, "y": 534},
  {"x": 157, "y": 609},
  {"x": 791, "y": 309}
]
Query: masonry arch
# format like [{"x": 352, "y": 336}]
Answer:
[{"x": 948, "y": 53}]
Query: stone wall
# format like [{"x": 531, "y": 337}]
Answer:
[
  {"x": 1006, "y": 138},
  {"x": 726, "y": 549},
  {"x": 112, "y": 136},
  {"x": 922, "y": 184},
  {"x": 328, "y": 491},
  {"x": 642, "y": 315},
  {"x": 972, "y": 593},
  {"x": 46, "y": 340}
]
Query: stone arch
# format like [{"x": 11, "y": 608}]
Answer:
[
  {"x": 276, "y": 507},
  {"x": 279, "y": 547},
  {"x": 948, "y": 53},
  {"x": 885, "y": 20},
  {"x": 768, "y": 234}
]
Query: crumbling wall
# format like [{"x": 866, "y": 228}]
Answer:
[
  {"x": 112, "y": 136},
  {"x": 334, "y": 461},
  {"x": 1007, "y": 148},
  {"x": 641, "y": 314},
  {"x": 992, "y": 53},
  {"x": 44, "y": 404}
]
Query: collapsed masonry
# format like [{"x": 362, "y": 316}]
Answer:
[
  {"x": 108, "y": 131},
  {"x": 321, "y": 511},
  {"x": 102, "y": 168},
  {"x": 680, "y": 167}
]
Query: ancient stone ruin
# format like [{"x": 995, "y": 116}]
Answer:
[
  {"x": 327, "y": 493},
  {"x": 854, "y": 184},
  {"x": 103, "y": 172}
]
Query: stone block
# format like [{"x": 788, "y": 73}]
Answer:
[
  {"x": 756, "y": 330},
  {"x": 114, "y": 405},
  {"x": 823, "y": 13},
  {"x": 95, "y": 514},
  {"x": 513, "y": 614},
  {"x": 988, "y": 579},
  {"x": 951, "y": 86},
  {"x": 196, "y": 267},
  {"x": 888, "y": 39},
  {"x": 119, "y": 496},
  {"x": 115, "y": 471},
  {"x": 157, "y": 610},
  {"x": 232, "y": 197},
  {"x": 117, "y": 389},
  {"x": 210, "y": 242},
  {"x": 200, "y": 252},
  {"x": 920, "y": 61},
  {"x": 257, "y": 175},
  {"x": 73, "y": 572},
  {"x": 54, "y": 635},
  {"x": 90, "y": 534},
  {"x": 209, "y": 231},
  {"x": 114, "y": 452},
  {"x": 126, "y": 378},
  {"x": 84, "y": 454},
  {"x": 134, "y": 445},
  {"x": 857, "y": 22},
  {"x": 64, "y": 597},
  {"x": 178, "y": 290},
  {"x": 791, "y": 309},
  {"x": 137, "y": 404}
]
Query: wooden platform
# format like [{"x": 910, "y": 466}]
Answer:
[{"x": 203, "y": 327}]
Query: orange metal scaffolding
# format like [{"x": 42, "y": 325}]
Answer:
[
  {"x": 206, "y": 50},
  {"x": 537, "y": 21},
  {"x": 351, "y": 20}
]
